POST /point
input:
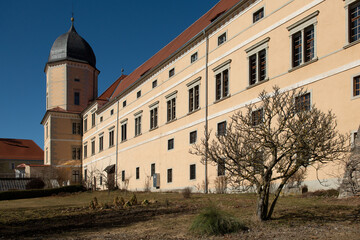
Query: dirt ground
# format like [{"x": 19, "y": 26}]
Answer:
[{"x": 315, "y": 219}]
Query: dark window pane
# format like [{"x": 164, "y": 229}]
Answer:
[
  {"x": 252, "y": 69},
  {"x": 297, "y": 49},
  {"x": 309, "y": 43}
]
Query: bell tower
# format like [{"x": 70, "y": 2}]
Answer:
[{"x": 71, "y": 84}]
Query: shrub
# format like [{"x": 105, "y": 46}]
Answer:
[
  {"x": 133, "y": 200},
  {"x": 35, "y": 183},
  {"x": 213, "y": 221},
  {"x": 186, "y": 192}
]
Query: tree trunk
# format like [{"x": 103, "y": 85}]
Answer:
[{"x": 263, "y": 202}]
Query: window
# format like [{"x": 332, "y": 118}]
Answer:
[
  {"x": 356, "y": 86},
  {"x": 137, "y": 173},
  {"x": 76, "y": 176},
  {"x": 137, "y": 125},
  {"x": 138, "y": 94},
  {"x": 154, "y": 117},
  {"x": 101, "y": 143},
  {"x": 123, "y": 175},
  {"x": 85, "y": 151},
  {"x": 258, "y": 15},
  {"x": 85, "y": 124},
  {"x": 76, "y": 153},
  {"x": 93, "y": 120},
  {"x": 258, "y": 61},
  {"x": 101, "y": 180},
  {"x": 124, "y": 131},
  {"x": 152, "y": 169},
  {"x": 353, "y": 139},
  {"x": 169, "y": 175},
  {"x": 85, "y": 174},
  {"x": 47, "y": 130},
  {"x": 193, "y": 136},
  {"x": 221, "y": 128},
  {"x": 171, "y": 72},
  {"x": 101, "y": 119},
  {"x": 221, "y": 167},
  {"x": 12, "y": 166},
  {"x": 257, "y": 117},
  {"x": 194, "y": 57},
  {"x": 93, "y": 146},
  {"x": 193, "y": 98},
  {"x": 124, "y": 103},
  {"x": 302, "y": 35},
  {"x": 111, "y": 112},
  {"x": 47, "y": 155},
  {"x": 222, "y": 84},
  {"x": 154, "y": 84},
  {"x": 354, "y": 22},
  {"x": 171, "y": 108},
  {"x": 192, "y": 171},
  {"x": 222, "y": 39},
  {"x": 111, "y": 138},
  {"x": 76, "y": 98},
  {"x": 76, "y": 128},
  {"x": 302, "y": 103},
  {"x": 170, "y": 144},
  {"x": 77, "y": 80}
]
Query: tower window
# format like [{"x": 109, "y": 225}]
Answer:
[
  {"x": 76, "y": 98},
  {"x": 77, "y": 80}
]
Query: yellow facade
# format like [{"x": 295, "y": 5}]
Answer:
[{"x": 328, "y": 76}]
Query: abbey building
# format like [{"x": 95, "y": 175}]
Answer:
[{"x": 137, "y": 134}]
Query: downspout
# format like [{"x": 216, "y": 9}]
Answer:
[
  {"x": 206, "y": 110},
  {"x": 117, "y": 143}
]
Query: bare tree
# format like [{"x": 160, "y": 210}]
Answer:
[{"x": 264, "y": 146}]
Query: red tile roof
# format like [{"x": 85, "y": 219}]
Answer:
[
  {"x": 59, "y": 109},
  {"x": 174, "y": 45},
  {"x": 20, "y": 149},
  {"x": 109, "y": 92}
]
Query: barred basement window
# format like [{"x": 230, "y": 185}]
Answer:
[
  {"x": 221, "y": 167},
  {"x": 257, "y": 117},
  {"x": 137, "y": 173},
  {"x": 170, "y": 144},
  {"x": 356, "y": 86},
  {"x": 192, "y": 171},
  {"x": 221, "y": 128},
  {"x": 169, "y": 175},
  {"x": 193, "y": 136},
  {"x": 302, "y": 103}
]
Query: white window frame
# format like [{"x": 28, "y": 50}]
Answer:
[
  {"x": 192, "y": 85},
  {"x": 347, "y": 5},
  {"x": 151, "y": 108},
  {"x": 220, "y": 35},
  {"x": 123, "y": 123},
  {"x": 300, "y": 26},
  {"x": 170, "y": 97},
  {"x": 137, "y": 128},
  {"x": 197, "y": 57},
  {"x": 220, "y": 69},
  {"x": 256, "y": 49}
]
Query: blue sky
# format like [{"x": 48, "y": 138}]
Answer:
[{"x": 123, "y": 34}]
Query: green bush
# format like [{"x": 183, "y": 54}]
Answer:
[
  {"x": 21, "y": 194},
  {"x": 213, "y": 221}
]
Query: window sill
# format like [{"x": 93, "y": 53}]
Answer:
[
  {"x": 258, "y": 83},
  {"x": 355, "y": 97},
  {"x": 138, "y": 135},
  {"x": 122, "y": 141},
  {"x": 222, "y": 99},
  {"x": 172, "y": 120},
  {"x": 194, "y": 111},
  {"x": 351, "y": 44},
  {"x": 303, "y": 65},
  {"x": 111, "y": 146},
  {"x": 154, "y": 128}
]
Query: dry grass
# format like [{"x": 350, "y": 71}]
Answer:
[{"x": 169, "y": 216}]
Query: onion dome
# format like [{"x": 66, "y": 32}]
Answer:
[{"x": 71, "y": 46}]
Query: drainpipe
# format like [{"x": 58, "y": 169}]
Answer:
[
  {"x": 117, "y": 143},
  {"x": 206, "y": 110}
]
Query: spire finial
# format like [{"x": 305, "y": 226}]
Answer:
[
  {"x": 72, "y": 14},
  {"x": 122, "y": 71}
]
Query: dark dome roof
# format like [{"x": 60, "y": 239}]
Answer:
[{"x": 71, "y": 46}]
